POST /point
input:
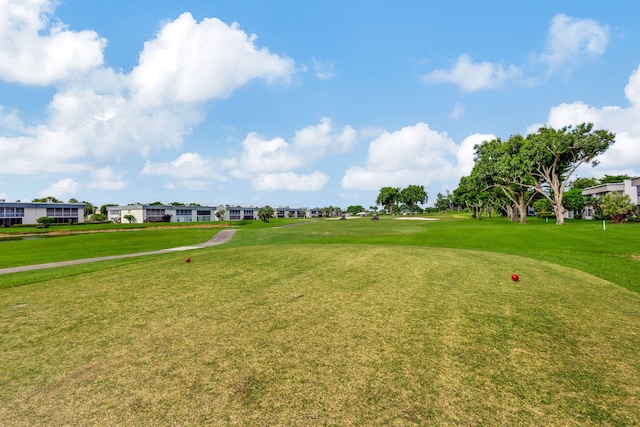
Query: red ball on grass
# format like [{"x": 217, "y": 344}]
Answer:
[
  {"x": 515, "y": 277},
  {"x": 187, "y": 259}
]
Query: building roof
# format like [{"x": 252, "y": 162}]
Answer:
[{"x": 18, "y": 204}]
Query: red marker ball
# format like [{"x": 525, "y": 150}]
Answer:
[
  {"x": 515, "y": 277},
  {"x": 188, "y": 260}
]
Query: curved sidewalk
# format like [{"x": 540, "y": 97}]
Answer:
[{"x": 220, "y": 238}]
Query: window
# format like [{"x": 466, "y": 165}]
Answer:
[
  {"x": 63, "y": 215},
  {"x": 234, "y": 214},
  {"x": 183, "y": 215},
  {"x": 203, "y": 216},
  {"x": 155, "y": 215}
]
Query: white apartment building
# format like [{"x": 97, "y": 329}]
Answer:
[
  {"x": 140, "y": 213},
  {"x": 15, "y": 213}
]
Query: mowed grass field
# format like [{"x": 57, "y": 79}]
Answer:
[{"x": 335, "y": 323}]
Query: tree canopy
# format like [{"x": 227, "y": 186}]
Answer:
[
  {"x": 355, "y": 209},
  {"x": 388, "y": 197},
  {"x": 551, "y": 156},
  {"x": 413, "y": 194},
  {"x": 498, "y": 165},
  {"x": 48, "y": 199},
  {"x": 617, "y": 206},
  {"x": 265, "y": 213}
]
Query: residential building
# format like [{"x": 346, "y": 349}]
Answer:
[
  {"x": 154, "y": 213},
  {"x": 235, "y": 213},
  {"x": 14, "y": 213},
  {"x": 140, "y": 213},
  {"x": 630, "y": 187}
]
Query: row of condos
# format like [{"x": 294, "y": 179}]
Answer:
[
  {"x": 139, "y": 213},
  {"x": 18, "y": 213}
]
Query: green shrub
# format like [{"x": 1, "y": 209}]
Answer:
[{"x": 545, "y": 215}]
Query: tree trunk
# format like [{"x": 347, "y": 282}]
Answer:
[
  {"x": 558, "y": 209},
  {"x": 523, "y": 209}
]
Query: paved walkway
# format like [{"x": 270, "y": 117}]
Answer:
[{"x": 220, "y": 238}]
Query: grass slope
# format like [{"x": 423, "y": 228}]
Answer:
[{"x": 77, "y": 246}]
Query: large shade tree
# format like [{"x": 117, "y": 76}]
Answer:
[
  {"x": 412, "y": 195},
  {"x": 388, "y": 197},
  {"x": 498, "y": 165},
  {"x": 551, "y": 156},
  {"x": 473, "y": 194}
]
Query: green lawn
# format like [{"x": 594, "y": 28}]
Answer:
[
  {"x": 47, "y": 249},
  {"x": 336, "y": 323}
]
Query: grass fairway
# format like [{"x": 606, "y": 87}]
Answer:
[{"x": 294, "y": 327}]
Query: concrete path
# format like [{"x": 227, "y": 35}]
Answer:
[{"x": 220, "y": 238}]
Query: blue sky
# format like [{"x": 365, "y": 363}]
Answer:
[{"x": 305, "y": 104}]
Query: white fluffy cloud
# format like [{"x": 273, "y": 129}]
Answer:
[
  {"x": 413, "y": 155},
  {"x": 61, "y": 189},
  {"x": 86, "y": 128},
  {"x": 622, "y": 157},
  {"x": 104, "y": 115},
  {"x": 190, "y": 165},
  {"x": 35, "y": 50},
  {"x": 572, "y": 39},
  {"x": 270, "y": 164},
  {"x": 466, "y": 151},
  {"x": 319, "y": 139},
  {"x": 261, "y": 155},
  {"x": 192, "y": 62},
  {"x": 472, "y": 76}
]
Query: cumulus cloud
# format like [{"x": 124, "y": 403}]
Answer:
[
  {"x": 37, "y": 50},
  {"x": 192, "y": 62},
  {"x": 85, "y": 127},
  {"x": 61, "y": 189},
  {"x": 466, "y": 151},
  {"x": 413, "y": 155},
  {"x": 262, "y": 155},
  {"x": 102, "y": 115},
  {"x": 572, "y": 39},
  {"x": 622, "y": 157},
  {"x": 473, "y": 76},
  {"x": 189, "y": 166},
  {"x": 270, "y": 164},
  {"x": 319, "y": 139}
]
